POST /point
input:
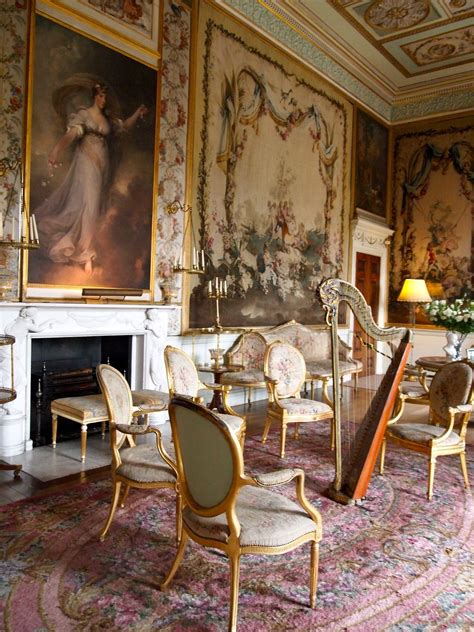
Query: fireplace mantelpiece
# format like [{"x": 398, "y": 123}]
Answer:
[{"x": 148, "y": 326}]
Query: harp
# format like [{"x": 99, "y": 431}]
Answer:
[{"x": 354, "y": 470}]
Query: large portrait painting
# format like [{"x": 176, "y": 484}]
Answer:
[
  {"x": 433, "y": 206},
  {"x": 92, "y": 164},
  {"x": 371, "y": 152},
  {"x": 270, "y": 182}
]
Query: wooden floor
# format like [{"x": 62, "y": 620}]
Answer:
[{"x": 13, "y": 489}]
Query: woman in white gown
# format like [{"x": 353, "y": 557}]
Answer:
[{"x": 68, "y": 219}]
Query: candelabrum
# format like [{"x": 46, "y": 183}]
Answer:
[
  {"x": 217, "y": 290},
  {"x": 23, "y": 233},
  {"x": 198, "y": 258}
]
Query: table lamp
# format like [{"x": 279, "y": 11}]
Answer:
[{"x": 414, "y": 291}]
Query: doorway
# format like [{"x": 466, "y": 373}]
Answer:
[{"x": 367, "y": 281}]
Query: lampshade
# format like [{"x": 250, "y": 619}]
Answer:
[{"x": 414, "y": 291}]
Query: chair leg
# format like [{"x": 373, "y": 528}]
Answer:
[
  {"x": 179, "y": 518},
  {"x": 382, "y": 455},
  {"x": 113, "y": 508},
  {"x": 54, "y": 420},
  {"x": 234, "y": 591},
  {"x": 125, "y": 496},
  {"x": 313, "y": 579},
  {"x": 356, "y": 381},
  {"x": 102, "y": 430},
  {"x": 177, "y": 560},
  {"x": 282, "y": 440},
  {"x": 83, "y": 442},
  {"x": 431, "y": 472},
  {"x": 333, "y": 434},
  {"x": 266, "y": 430},
  {"x": 297, "y": 431},
  {"x": 462, "y": 456}
]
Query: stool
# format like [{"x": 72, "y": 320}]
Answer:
[{"x": 89, "y": 409}]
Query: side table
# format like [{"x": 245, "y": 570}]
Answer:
[{"x": 218, "y": 371}]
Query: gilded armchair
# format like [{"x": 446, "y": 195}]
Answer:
[
  {"x": 285, "y": 373},
  {"x": 146, "y": 465},
  {"x": 450, "y": 405},
  {"x": 183, "y": 379},
  {"x": 223, "y": 508}
]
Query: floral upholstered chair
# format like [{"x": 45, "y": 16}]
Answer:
[
  {"x": 285, "y": 373},
  {"x": 450, "y": 405},
  {"x": 146, "y": 465},
  {"x": 223, "y": 508},
  {"x": 183, "y": 379},
  {"x": 248, "y": 352}
]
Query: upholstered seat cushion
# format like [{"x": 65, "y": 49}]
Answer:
[
  {"x": 423, "y": 434},
  {"x": 299, "y": 406},
  {"x": 84, "y": 408},
  {"x": 232, "y": 421},
  {"x": 244, "y": 378},
  {"x": 267, "y": 519},
  {"x": 144, "y": 464},
  {"x": 149, "y": 397},
  {"x": 413, "y": 390},
  {"x": 323, "y": 368}
]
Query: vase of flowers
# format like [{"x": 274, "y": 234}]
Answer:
[{"x": 457, "y": 316}]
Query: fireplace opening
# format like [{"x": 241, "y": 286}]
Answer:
[{"x": 65, "y": 367}]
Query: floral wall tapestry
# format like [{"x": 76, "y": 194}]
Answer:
[
  {"x": 433, "y": 205},
  {"x": 271, "y": 178},
  {"x": 173, "y": 138}
]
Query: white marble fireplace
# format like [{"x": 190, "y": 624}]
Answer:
[{"x": 148, "y": 327}]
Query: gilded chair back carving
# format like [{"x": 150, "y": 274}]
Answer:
[
  {"x": 450, "y": 387},
  {"x": 182, "y": 374},
  {"x": 118, "y": 398},
  {"x": 209, "y": 475},
  {"x": 285, "y": 364}
]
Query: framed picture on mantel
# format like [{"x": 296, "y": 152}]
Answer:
[{"x": 91, "y": 149}]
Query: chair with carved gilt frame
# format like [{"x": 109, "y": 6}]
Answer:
[
  {"x": 450, "y": 405},
  {"x": 183, "y": 379},
  {"x": 285, "y": 373},
  {"x": 223, "y": 508},
  {"x": 143, "y": 465}
]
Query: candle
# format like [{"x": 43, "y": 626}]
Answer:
[
  {"x": 216, "y": 284},
  {"x": 194, "y": 257},
  {"x": 23, "y": 226},
  {"x": 13, "y": 229},
  {"x": 209, "y": 288},
  {"x": 225, "y": 287},
  {"x": 32, "y": 230},
  {"x": 203, "y": 261},
  {"x": 35, "y": 230}
]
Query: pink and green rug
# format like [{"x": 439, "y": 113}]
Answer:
[{"x": 395, "y": 563}]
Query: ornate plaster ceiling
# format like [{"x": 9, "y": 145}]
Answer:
[
  {"x": 401, "y": 46},
  {"x": 416, "y": 57}
]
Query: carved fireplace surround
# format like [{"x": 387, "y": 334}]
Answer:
[{"x": 148, "y": 327}]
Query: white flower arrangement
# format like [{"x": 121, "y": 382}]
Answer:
[{"x": 454, "y": 315}]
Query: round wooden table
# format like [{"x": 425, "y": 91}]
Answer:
[
  {"x": 432, "y": 363},
  {"x": 218, "y": 371}
]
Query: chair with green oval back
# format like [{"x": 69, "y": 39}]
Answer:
[
  {"x": 450, "y": 406},
  {"x": 143, "y": 465},
  {"x": 285, "y": 373},
  {"x": 223, "y": 508},
  {"x": 183, "y": 379}
]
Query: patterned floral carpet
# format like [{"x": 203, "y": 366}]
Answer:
[{"x": 395, "y": 563}]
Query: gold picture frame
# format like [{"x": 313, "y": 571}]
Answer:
[{"x": 106, "y": 153}]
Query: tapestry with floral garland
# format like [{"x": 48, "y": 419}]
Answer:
[
  {"x": 272, "y": 161},
  {"x": 432, "y": 216}
]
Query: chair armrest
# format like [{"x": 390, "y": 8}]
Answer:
[
  {"x": 278, "y": 477},
  {"x": 462, "y": 408},
  {"x": 270, "y": 380},
  {"x": 344, "y": 350},
  {"x": 133, "y": 429},
  {"x": 218, "y": 387}
]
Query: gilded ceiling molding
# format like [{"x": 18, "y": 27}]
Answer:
[
  {"x": 269, "y": 17},
  {"x": 437, "y": 104}
]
